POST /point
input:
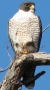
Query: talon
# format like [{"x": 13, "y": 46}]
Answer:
[{"x": 26, "y": 51}]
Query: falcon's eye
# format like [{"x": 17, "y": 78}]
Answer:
[{"x": 26, "y": 4}]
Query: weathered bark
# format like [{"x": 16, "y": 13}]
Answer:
[{"x": 12, "y": 79}]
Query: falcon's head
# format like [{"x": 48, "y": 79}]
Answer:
[{"x": 28, "y": 6}]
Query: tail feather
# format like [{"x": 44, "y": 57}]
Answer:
[
  {"x": 30, "y": 85},
  {"x": 27, "y": 75}
]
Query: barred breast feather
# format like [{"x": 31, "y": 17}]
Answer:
[
  {"x": 25, "y": 27},
  {"x": 25, "y": 32}
]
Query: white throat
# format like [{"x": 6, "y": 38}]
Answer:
[
  {"x": 23, "y": 14},
  {"x": 30, "y": 11}
]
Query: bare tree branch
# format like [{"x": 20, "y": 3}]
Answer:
[
  {"x": 41, "y": 47},
  {"x": 1, "y": 69},
  {"x": 30, "y": 80},
  {"x": 16, "y": 70},
  {"x": 8, "y": 52},
  {"x": 46, "y": 28}
]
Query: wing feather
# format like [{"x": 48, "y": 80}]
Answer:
[
  {"x": 40, "y": 34},
  {"x": 12, "y": 31}
]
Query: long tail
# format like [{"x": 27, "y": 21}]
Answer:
[{"x": 29, "y": 72}]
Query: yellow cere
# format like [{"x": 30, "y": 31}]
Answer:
[{"x": 32, "y": 6}]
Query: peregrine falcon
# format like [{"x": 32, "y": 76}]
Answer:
[{"x": 25, "y": 32}]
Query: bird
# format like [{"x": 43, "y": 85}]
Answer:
[{"x": 25, "y": 33}]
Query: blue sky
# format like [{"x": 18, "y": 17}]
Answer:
[{"x": 7, "y": 9}]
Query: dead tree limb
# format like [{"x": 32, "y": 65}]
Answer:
[
  {"x": 12, "y": 79},
  {"x": 46, "y": 28}
]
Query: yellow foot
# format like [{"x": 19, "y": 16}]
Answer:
[{"x": 25, "y": 52}]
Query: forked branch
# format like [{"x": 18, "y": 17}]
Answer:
[{"x": 16, "y": 69}]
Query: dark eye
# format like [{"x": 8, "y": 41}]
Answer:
[{"x": 26, "y": 4}]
